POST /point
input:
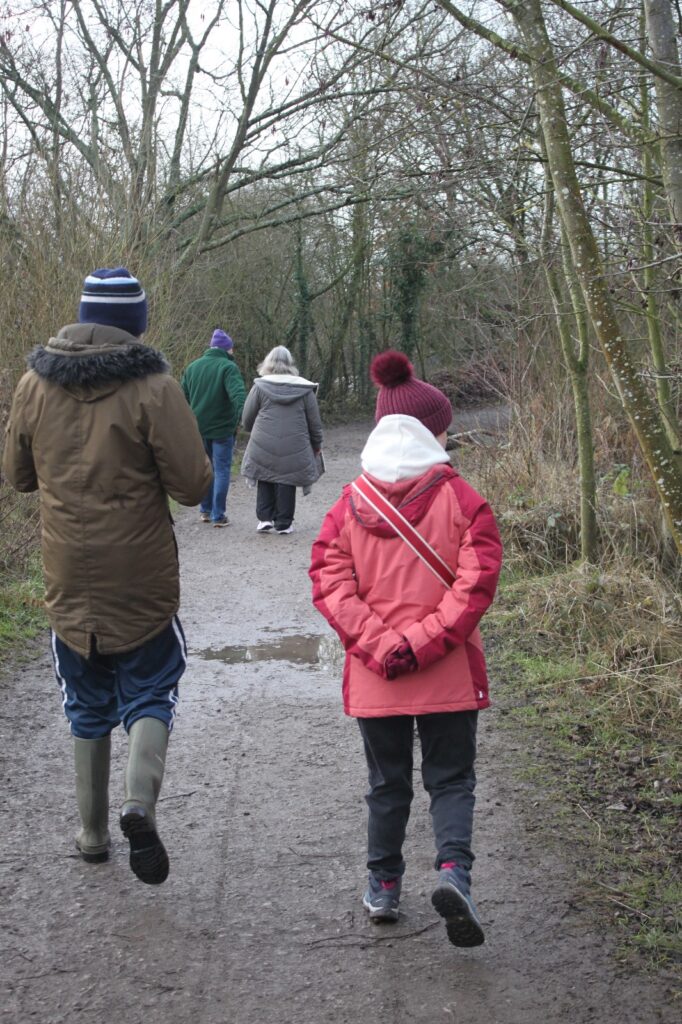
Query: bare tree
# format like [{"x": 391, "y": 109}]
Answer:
[
  {"x": 644, "y": 415},
  {"x": 175, "y": 114}
]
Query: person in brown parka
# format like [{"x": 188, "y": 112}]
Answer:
[{"x": 102, "y": 431}]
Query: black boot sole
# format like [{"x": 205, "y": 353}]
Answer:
[
  {"x": 462, "y": 927},
  {"x": 148, "y": 857},
  {"x": 93, "y": 858}
]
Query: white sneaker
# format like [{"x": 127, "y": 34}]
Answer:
[
  {"x": 263, "y": 527},
  {"x": 289, "y": 529}
]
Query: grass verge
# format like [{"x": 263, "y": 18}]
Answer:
[
  {"x": 22, "y": 614},
  {"x": 591, "y": 663}
]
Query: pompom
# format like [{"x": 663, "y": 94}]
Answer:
[{"x": 390, "y": 368}]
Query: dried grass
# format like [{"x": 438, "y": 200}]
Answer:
[
  {"x": 620, "y": 617},
  {"x": 531, "y": 480}
]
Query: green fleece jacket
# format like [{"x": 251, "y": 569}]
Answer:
[{"x": 215, "y": 390}]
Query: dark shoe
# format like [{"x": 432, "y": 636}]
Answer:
[
  {"x": 382, "y": 898},
  {"x": 223, "y": 521},
  {"x": 452, "y": 901},
  {"x": 205, "y": 517},
  {"x": 148, "y": 857}
]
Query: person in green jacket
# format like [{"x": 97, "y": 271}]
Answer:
[{"x": 215, "y": 390}]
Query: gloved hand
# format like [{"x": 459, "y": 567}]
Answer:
[{"x": 401, "y": 661}]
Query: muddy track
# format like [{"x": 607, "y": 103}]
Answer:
[{"x": 263, "y": 815}]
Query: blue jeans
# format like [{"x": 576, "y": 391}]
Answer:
[
  {"x": 104, "y": 690},
  {"x": 220, "y": 454}
]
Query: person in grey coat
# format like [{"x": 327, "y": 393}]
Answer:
[{"x": 283, "y": 452}]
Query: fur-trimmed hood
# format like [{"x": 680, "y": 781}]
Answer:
[{"x": 87, "y": 358}]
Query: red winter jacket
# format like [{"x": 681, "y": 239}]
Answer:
[{"x": 375, "y": 592}]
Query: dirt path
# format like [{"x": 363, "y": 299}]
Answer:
[{"x": 263, "y": 814}]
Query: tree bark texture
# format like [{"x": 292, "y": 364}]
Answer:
[
  {"x": 663, "y": 43},
  {"x": 577, "y": 364},
  {"x": 658, "y": 356}
]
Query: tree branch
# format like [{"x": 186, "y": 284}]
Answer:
[{"x": 601, "y": 33}]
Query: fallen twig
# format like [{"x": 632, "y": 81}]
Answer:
[
  {"x": 593, "y": 820},
  {"x": 308, "y": 856},
  {"x": 46, "y": 974},
  {"x": 632, "y": 910},
  {"x": 371, "y": 940}
]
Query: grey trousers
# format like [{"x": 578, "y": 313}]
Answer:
[{"x": 448, "y": 743}]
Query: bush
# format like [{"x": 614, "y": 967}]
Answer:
[{"x": 477, "y": 382}]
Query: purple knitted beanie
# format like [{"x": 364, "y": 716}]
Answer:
[{"x": 222, "y": 340}]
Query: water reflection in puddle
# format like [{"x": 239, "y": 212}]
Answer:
[{"x": 303, "y": 649}]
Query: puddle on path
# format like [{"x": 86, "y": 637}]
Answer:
[{"x": 304, "y": 649}]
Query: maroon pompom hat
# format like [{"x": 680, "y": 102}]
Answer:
[{"x": 401, "y": 393}]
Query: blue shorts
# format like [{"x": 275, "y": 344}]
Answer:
[{"x": 104, "y": 690}]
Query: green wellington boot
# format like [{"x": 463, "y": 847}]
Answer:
[
  {"x": 147, "y": 745},
  {"x": 91, "y": 759}
]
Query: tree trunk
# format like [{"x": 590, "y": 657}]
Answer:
[
  {"x": 641, "y": 410},
  {"x": 663, "y": 43},
  {"x": 577, "y": 366},
  {"x": 663, "y": 390},
  {"x": 303, "y": 318}
]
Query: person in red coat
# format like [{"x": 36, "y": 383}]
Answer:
[{"x": 407, "y": 609}]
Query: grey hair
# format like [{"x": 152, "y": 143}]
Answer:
[{"x": 278, "y": 360}]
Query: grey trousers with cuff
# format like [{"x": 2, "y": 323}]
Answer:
[{"x": 448, "y": 743}]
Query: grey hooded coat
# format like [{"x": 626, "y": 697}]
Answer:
[{"x": 286, "y": 430}]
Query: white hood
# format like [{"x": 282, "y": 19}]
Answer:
[
  {"x": 399, "y": 448},
  {"x": 287, "y": 378}
]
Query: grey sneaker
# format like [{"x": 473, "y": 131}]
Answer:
[
  {"x": 382, "y": 898},
  {"x": 205, "y": 517},
  {"x": 452, "y": 900},
  {"x": 223, "y": 521}
]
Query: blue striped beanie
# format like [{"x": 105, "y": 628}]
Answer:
[{"x": 116, "y": 298}]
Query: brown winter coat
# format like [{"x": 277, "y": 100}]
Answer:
[{"x": 102, "y": 430}]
